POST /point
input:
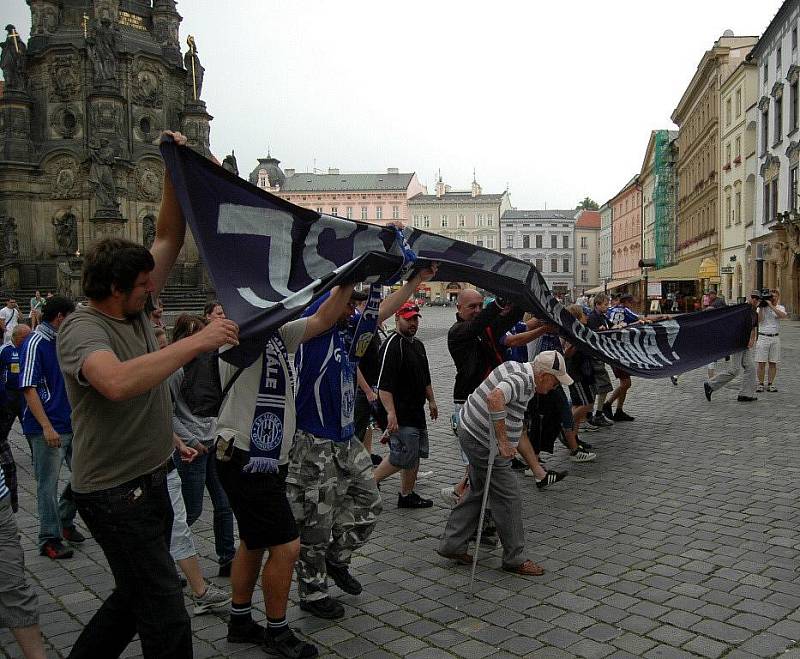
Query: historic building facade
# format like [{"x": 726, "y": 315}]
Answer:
[
  {"x": 83, "y": 104},
  {"x": 545, "y": 238},
  {"x": 378, "y": 198},
  {"x": 697, "y": 117},
  {"x": 737, "y": 178},
  {"x": 605, "y": 251},
  {"x": 469, "y": 215},
  {"x": 776, "y": 229},
  {"x": 587, "y": 251},
  {"x": 626, "y": 235}
]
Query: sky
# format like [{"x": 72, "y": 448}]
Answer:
[{"x": 554, "y": 100}]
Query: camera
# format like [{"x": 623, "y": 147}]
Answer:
[{"x": 765, "y": 295}]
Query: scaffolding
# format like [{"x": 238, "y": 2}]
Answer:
[{"x": 664, "y": 199}]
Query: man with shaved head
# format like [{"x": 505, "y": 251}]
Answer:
[
  {"x": 473, "y": 342},
  {"x": 11, "y": 406}
]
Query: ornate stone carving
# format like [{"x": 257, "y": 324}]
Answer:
[
  {"x": 793, "y": 73},
  {"x": 66, "y": 121},
  {"x": 148, "y": 230},
  {"x": 770, "y": 167},
  {"x": 793, "y": 151},
  {"x": 146, "y": 127},
  {"x": 147, "y": 89},
  {"x": 12, "y": 61},
  {"x": 763, "y": 103},
  {"x": 65, "y": 230},
  {"x": 8, "y": 237},
  {"x": 148, "y": 181},
  {"x": 64, "y": 172},
  {"x": 44, "y": 18},
  {"x": 64, "y": 77},
  {"x": 101, "y": 46},
  {"x": 230, "y": 164},
  {"x": 777, "y": 90},
  {"x": 106, "y": 117},
  {"x": 101, "y": 177}
]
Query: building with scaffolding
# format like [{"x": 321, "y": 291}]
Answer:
[{"x": 657, "y": 179}]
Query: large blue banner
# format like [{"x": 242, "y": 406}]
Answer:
[{"x": 269, "y": 259}]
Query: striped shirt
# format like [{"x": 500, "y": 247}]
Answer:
[
  {"x": 3, "y": 488},
  {"x": 515, "y": 380}
]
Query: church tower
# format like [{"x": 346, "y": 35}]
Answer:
[{"x": 81, "y": 109}]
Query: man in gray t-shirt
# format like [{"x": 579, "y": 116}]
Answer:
[{"x": 115, "y": 378}]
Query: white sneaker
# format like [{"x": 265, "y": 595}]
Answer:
[
  {"x": 582, "y": 456},
  {"x": 424, "y": 474},
  {"x": 213, "y": 598},
  {"x": 449, "y": 496},
  {"x": 588, "y": 427}
]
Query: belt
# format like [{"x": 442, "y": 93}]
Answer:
[{"x": 762, "y": 334}]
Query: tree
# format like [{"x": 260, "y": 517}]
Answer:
[{"x": 587, "y": 204}]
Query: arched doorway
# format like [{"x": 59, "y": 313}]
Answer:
[{"x": 452, "y": 290}]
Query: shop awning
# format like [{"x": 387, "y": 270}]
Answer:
[
  {"x": 684, "y": 271},
  {"x": 616, "y": 283}
]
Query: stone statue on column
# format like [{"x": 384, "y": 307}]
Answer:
[
  {"x": 194, "y": 72},
  {"x": 101, "y": 176},
  {"x": 101, "y": 46},
  {"x": 12, "y": 60}
]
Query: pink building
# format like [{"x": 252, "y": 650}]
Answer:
[
  {"x": 626, "y": 236},
  {"x": 377, "y": 198}
]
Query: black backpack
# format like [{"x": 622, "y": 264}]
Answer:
[{"x": 201, "y": 388}]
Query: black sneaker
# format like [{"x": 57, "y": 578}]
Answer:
[
  {"x": 286, "y": 644},
  {"x": 413, "y": 500},
  {"x": 73, "y": 535},
  {"x": 674, "y": 379},
  {"x": 247, "y": 632},
  {"x": 708, "y": 391},
  {"x": 619, "y": 415},
  {"x": 56, "y": 550},
  {"x": 584, "y": 446},
  {"x": 327, "y": 607},
  {"x": 746, "y": 399},
  {"x": 518, "y": 465},
  {"x": 550, "y": 478},
  {"x": 225, "y": 569},
  {"x": 376, "y": 459},
  {"x": 608, "y": 411},
  {"x": 341, "y": 577}
]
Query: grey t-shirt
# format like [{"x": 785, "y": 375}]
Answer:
[
  {"x": 236, "y": 415},
  {"x": 113, "y": 442}
]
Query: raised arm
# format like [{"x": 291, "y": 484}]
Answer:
[{"x": 329, "y": 311}]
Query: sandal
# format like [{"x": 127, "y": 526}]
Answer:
[{"x": 527, "y": 569}]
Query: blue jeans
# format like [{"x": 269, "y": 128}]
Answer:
[
  {"x": 55, "y": 512},
  {"x": 132, "y": 524},
  {"x": 195, "y": 477}
]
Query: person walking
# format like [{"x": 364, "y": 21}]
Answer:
[
  {"x": 36, "y": 303},
  {"x": 12, "y": 405},
  {"x": 47, "y": 426},
  {"x": 404, "y": 384},
  {"x": 740, "y": 361},
  {"x": 9, "y": 317},
  {"x": 495, "y": 412},
  {"x": 768, "y": 346},
  {"x": 116, "y": 379}
]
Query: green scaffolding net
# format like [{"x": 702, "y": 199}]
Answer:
[{"x": 664, "y": 199}]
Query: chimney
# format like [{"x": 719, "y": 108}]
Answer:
[
  {"x": 333, "y": 170},
  {"x": 440, "y": 186},
  {"x": 392, "y": 170},
  {"x": 289, "y": 171}
]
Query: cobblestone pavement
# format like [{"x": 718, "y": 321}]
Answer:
[{"x": 679, "y": 541}]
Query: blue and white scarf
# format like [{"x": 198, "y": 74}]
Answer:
[{"x": 266, "y": 431}]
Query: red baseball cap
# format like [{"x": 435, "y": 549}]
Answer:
[{"x": 408, "y": 310}]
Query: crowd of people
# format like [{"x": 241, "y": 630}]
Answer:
[{"x": 146, "y": 421}]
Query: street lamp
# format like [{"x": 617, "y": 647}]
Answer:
[{"x": 645, "y": 265}]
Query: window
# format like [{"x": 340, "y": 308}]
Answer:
[
  {"x": 480, "y": 219},
  {"x": 793, "y": 188},
  {"x": 793, "y": 97},
  {"x": 728, "y": 208},
  {"x": 584, "y": 258},
  {"x": 764, "y": 131},
  {"x": 584, "y": 242},
  {"x": 490, "y": 242},
  {"x": 539, "y": 241},
  {"x": 490, "y": 219},
  {"x": 565, "y": 241},
  {"x": 773, "y": 202},
  {"x": 363, "y": 212},
  {"x": 395, "y": 212},
  {"x": 565, "y": 263},
  {"x": 444, "y": 221},
  {"x": 765, "y": 73},
  {"x": 728, "y": 112},
  {"x": 335, "y": 210},
  {"x": 584, "y": 276},
  {"x": 778, "y": 120},
  {"x": 426, "y": 221},
  {"x": 737, "y": 209},
  {"x": 319, "y": 209},
  {"x": 349, "y": 212},
  {"x": 553, "y": 242},
  {"x": 738, "y": 149},
  {"x": 539, "y": 265},
  {"x": 461, "y": 220},
  {"x": 526, "y": 242},
  {"x": 553, "y": 265},
  {"x": 778, "y": 61},
  {"x": 479, "y": 242},
  {"x": 416, "y": 221},
  {"x": 739, "y": 102},
  {"x": 794, "y": 38},
  {"x": 765, "y": 208},
  {"x": 509, "y": 241},
  {"x": 378, "y": 212},
  {"x": 728, "y": 153}
]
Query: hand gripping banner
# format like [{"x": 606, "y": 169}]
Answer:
[{"x": 269, "y": 259}]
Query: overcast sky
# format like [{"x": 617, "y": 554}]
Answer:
[{"x": 554, "y": 99}]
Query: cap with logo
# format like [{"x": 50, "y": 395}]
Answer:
[{"x": 408, "y": 310}]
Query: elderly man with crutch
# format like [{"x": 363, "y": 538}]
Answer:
[{"x": 491, "y": 423}]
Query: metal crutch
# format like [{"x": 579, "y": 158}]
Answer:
[{"x": 493, "y": 448}]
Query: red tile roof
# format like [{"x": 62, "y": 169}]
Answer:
[{"x": 588, "y": 220}]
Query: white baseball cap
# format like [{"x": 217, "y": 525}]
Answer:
[{"x": 553, "y": 362}]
